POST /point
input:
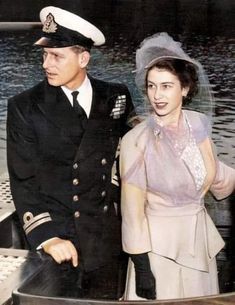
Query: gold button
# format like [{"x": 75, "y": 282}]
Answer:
[
  {"x": 75, "y": 166},
  {"x": 105, "y": 208},
  {"x": 103, "y": 161},
  {"x": 75, "y": 181},
  {"x": 77, "y": 214},
  {"x": 103, "y": 194},
  {"x": 75, "y": 198}
]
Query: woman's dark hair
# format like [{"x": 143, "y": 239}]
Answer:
[{"x": 184, "y": 70}]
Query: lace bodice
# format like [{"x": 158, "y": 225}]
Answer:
[
  {"x": 184, "y": 145},
  {"x": 171, "y": 164}
]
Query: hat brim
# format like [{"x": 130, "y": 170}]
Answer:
[
  {"x": 46, "y": 42},
  {"x": 155, "y": 60}
]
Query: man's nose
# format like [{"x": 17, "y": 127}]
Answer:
[{"x": 46, "y": 62}]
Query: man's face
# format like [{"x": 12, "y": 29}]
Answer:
[{"x": 64, "y": 66}]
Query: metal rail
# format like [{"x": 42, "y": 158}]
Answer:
[{"x": 6, "y": 26}]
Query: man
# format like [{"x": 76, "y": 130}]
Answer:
[{"x": 62, "y": 151}]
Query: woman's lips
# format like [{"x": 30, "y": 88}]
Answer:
[{"x": 160, "y": 105}]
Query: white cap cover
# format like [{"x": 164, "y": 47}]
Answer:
[{"x": 62, "y": 28}]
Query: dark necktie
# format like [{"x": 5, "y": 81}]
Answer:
[{"x": 77, "y": 107}]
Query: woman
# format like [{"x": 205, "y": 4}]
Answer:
[{"x": 168, "y": 164}]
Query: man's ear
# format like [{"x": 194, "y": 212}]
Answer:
[{"x": 84, "y": 59}]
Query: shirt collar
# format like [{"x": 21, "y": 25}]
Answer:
[{"x": 84, "y": 97}]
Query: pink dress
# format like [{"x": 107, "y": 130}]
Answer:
[{"x": 163, "y": 206}]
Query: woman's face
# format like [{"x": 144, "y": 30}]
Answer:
[{"x": 165, "y": 93}]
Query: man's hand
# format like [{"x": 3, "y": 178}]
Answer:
[{"x": 61, "y": 250}]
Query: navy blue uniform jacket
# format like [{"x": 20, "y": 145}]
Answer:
[{"x": 64, "y": 181}]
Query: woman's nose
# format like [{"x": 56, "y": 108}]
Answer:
[{"x": 157, "y": 94}]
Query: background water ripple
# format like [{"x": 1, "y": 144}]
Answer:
[{"x": 20, "y": 66}]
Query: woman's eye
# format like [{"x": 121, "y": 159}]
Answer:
[{"x": 166, "y": 86}]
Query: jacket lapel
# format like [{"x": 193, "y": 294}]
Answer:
[
  {"x": 99, "y": 126},
  {"x": 56, "y": 107},
  {"x": 54, "y": 104},
  {"x": 100, "y": 108}
]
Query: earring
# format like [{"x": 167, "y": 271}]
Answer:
[{"x": 185, "y": 92}]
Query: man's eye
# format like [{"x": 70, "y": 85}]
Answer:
[{"x": 58, "y": 56}]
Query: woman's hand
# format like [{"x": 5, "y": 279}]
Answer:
[{"x": 144, "y": 278}]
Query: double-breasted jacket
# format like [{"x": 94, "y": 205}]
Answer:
[{"x": 64, "y": 179}]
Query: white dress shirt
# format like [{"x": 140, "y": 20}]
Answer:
[{"x": 84, "y": 96}]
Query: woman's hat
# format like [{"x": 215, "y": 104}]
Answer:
[
  {"x": 62, "y": 28},
  {"x": 162, "y": 46},
  {"x": 154, "y": 48}
]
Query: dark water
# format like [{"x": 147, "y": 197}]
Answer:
[
  {"x": 206, "y": 29},
  {"x": 20, "y": 66}
]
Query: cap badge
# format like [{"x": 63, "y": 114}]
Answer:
[{"x": 50, "y": 26}]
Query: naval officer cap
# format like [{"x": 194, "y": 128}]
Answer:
[{"x": 62, "y": 28}]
